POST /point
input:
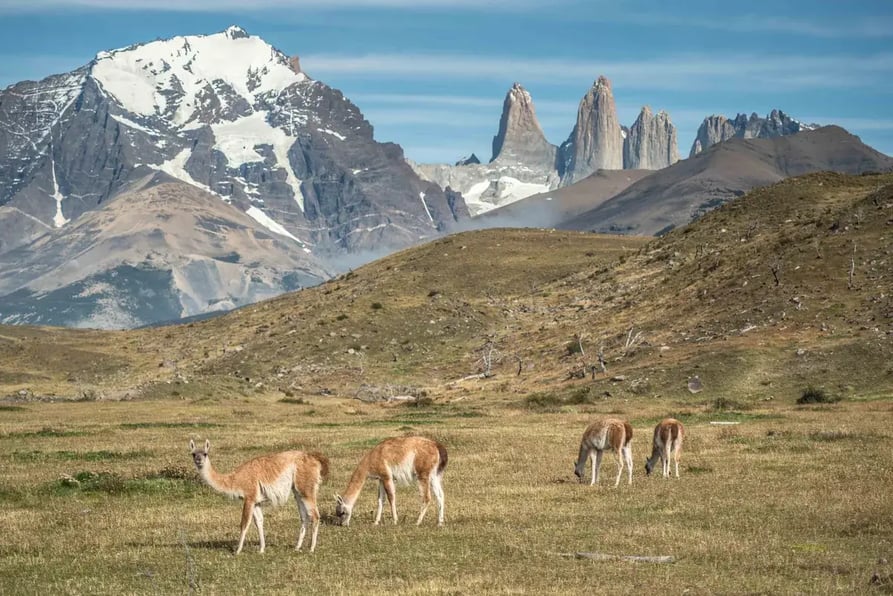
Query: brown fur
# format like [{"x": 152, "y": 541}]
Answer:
[
  {"x": 384, "y": 461},
  {"x": 617, "y": 436},
  {"x": 267, "y": 479},
  {"x": 668, "y": 437}
]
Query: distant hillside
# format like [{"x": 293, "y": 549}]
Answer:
[
  {"x": 550, "y": 208},
  {"x": 686, "y": 190},
  {"x": 789, "y": 285}
]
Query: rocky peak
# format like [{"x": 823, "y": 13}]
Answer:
[
  {"x": 775, "y": 124},
  {"x": 468, "y": 161},
  {"x": 650, "y": 143},
  {"x": 520, "y": 139},
  {"x": 714, "y": 129},
  {"x": 596, "y": 141},
  {"x": 294, "y": 63}
]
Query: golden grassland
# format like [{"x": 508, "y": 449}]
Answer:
[
  {"x": 792, "y": 499},
  {"x": 787, "y": 288}
]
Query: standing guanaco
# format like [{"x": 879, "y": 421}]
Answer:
[
  {"x": 606, "y": 433},
  {"x": 398, "y": 460},
  {"x": 668, "y": 435},
  {"x": 269, "y": 479}
]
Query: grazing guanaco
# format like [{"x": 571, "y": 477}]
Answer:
[
  {"x": 668, "y": 435},
  {"x": 398, "y": 460},
  {"x": 269, "y": 479},
  {"x": 606, "y": 433}
]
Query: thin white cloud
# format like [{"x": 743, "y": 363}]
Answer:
[
  {"x": 464, "y": 101},
  {"x": 841, "y": 27},
  {"x": 240, "y": 6},
  {"x": 680, "y": 72}
]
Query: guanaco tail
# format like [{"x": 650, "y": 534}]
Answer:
[
  {"x": 606, "y": 433},
  {"x": 269, "y": 479},
  {"x": 668, "y": 435},
  {"x": 398, "y": 460}
]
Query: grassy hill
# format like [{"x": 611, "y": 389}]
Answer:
[{"x": 787, "y": 286}]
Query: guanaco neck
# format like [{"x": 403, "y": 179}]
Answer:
[
  {"x": 219, "y": 482},
  {"x": 357, "y": 480}
]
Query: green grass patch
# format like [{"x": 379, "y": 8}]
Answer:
[
  {"x": 8, "y": 408},
  {"x": 298, "y": 401},
  {"x": 93, "y": 456},
  {"x": 45, "y": 432},
  {"x": 168, "y": 481},
  {"x": 132, "y": 425},
  {"x": 553, "y": 402}
]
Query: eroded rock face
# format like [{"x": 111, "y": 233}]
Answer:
[
  {"x": 596, "y": 141},
  {"x": 716, "y": 128},
  {"x": 650, "y": 144},
  {"x": 520, "y": 138}
]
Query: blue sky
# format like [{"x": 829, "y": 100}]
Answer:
[{"x": 432, "y": 74}]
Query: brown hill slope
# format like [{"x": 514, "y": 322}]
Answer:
[
  {"x": 676, "y": 195},
  {"x": 701, "y": 300},
  {"x": 159, "y": 250},
  {"x": 547, "y": 209}
]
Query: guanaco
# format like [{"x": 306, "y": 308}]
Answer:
[
  {"x": 606, "y": 433},
  {"x": 398, "y": 460},
  {"x": 269, "y": 479},
  {"x": 668, "y": 435}
]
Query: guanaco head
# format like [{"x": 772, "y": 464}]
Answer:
[
  {"x": 649, "y": 465},
  {"x": 578, "y": 470},
  {"x": 199, "y": 456},
  {"x": 342, "y": 511}
]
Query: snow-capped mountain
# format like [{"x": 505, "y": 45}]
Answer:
[{"x": 227, "y": 114}]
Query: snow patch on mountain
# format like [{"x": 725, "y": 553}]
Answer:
[
  {"x": 58, "y": 219},
  {"x": 490, "y": 194},
  {"x": 268, "y": 222},
  {"x": 237, "y": 141},
  {"x": 176, "y": 167}
]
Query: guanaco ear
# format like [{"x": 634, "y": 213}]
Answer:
[
  {"x": 207, "y": 445},
  {"x": 191, "y": 445},
  {"x": 338, "y": 499}
]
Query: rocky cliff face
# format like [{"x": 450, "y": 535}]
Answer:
[
  {"x": 716, "y": 129},
  {"x": 596, "y": 141},
  {"x": 520, "y": 138},
  {"x": 650, "y": 144},
  {"x": 224, "y": 113}
]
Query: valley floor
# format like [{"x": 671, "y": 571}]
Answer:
[{"x": 102, "y": 498}]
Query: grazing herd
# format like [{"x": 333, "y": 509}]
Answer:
[{"x": 271, "y": 479}]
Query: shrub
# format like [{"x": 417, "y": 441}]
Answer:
[
  {"x": 377, "y": 306},
  {"x": 816, "y": 395}
]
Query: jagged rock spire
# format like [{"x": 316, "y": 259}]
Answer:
[
  {"x": 596, "y": 141},
  {"x": 714, "y": 129},
  {"x": 650, "y": 143},
  {"x": 520, "y": 138}
]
